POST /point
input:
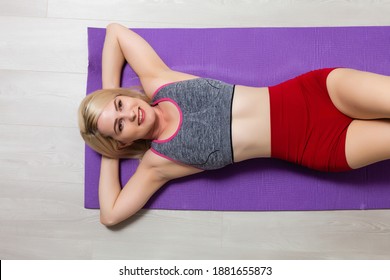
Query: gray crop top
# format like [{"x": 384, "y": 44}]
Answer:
[{"x": 203, "y": 138}]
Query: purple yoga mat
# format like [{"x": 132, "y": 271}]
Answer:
[{"x": 257, "y": 57}]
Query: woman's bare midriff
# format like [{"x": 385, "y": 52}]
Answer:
[{"x": 251, "y": 129}]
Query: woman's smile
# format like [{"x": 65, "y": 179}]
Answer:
[{"x": 141, "y": 115}]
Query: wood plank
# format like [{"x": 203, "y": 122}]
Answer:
[
  {"x": 160, "y": 234},
  {"x": 38, "y": 44},
  {"x": 309, "y": 234},
  {"x": 41, "y": 201},
  {"x": 40, "y": 98},
  {"x": 217, "y": 13},
  {"x": 34, "y": 8},
  {"x": 35, "y": 153},
  {"x": 43, "y": 248}
]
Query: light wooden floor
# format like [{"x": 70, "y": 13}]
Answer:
[{"x": 43, "y": 66}]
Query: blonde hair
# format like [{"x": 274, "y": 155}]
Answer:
[{"x": 89, "y": 111}]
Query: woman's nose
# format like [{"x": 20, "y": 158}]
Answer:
[{"x": 131, "y": 115}]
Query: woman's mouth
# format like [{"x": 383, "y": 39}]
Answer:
[{"x": 141, "y": 116}]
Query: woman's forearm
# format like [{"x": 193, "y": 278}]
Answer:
[
  {"x": 112, "y": 58},
  {"x": 109, "y": 187}
]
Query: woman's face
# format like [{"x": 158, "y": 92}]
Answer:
[{"x": 127, "y": 119}]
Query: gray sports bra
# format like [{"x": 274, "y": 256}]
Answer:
[{"x": 203, "y": 137}]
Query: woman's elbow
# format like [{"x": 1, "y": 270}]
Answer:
[
  {"x": 114, "y": 27},
  {"x": 109, "y": 221}
]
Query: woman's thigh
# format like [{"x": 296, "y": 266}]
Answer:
[
  {"x": 359, "y": 94},
  {"x": 367, "y": 142}
]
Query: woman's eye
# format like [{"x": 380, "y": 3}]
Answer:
[
  {"x": 120, "y": 125},
  {"x": 120, "y": 104}
]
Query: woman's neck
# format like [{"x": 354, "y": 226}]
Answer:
[{"x": 160, "y": 123}]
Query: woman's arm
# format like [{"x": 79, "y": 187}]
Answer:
[
  {"x": 112, "y": 60},
  {"x": 118, "y": 204},
  {"x": 122, "y": 44}
]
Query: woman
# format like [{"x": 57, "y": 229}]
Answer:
[{"x": 329, "y": 120}]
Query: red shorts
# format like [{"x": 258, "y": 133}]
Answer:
[{"x": 306, "y": 128}]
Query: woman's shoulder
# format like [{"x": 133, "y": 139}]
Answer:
[{"x": 164, "y": 168}]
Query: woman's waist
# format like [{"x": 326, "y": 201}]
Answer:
[{"x": 251, "y": 132}]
